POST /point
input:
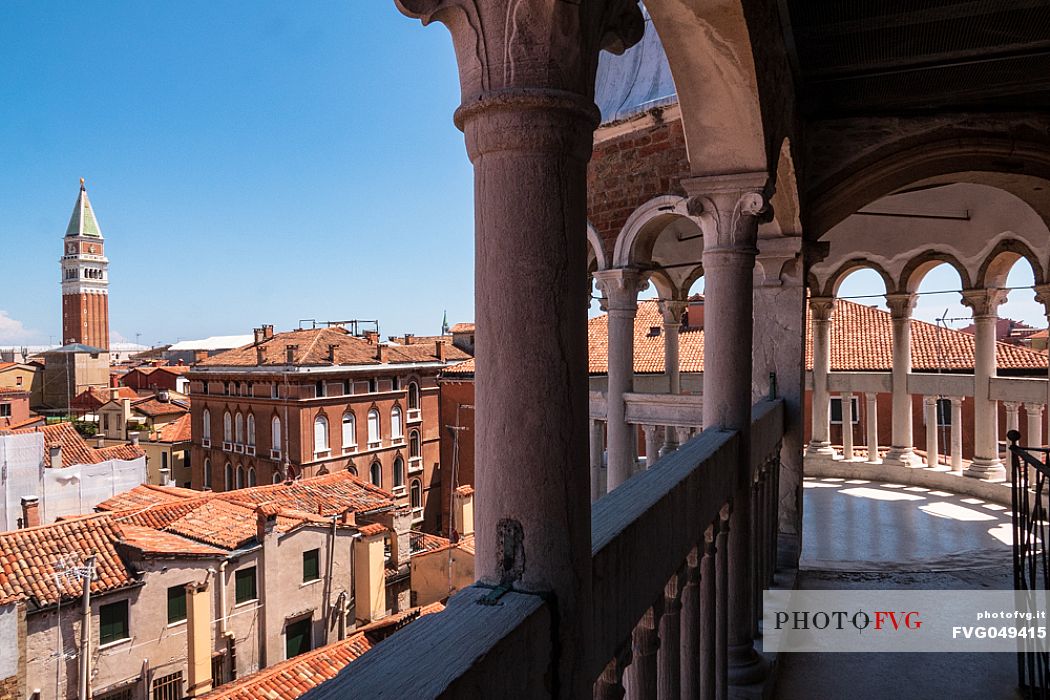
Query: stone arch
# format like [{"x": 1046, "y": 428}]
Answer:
[
  {"x": 894, "y": 167},
  {"x": 1001, "y": 259},
  {"x": 915, "y": 271},
  {"x": 831, "y": 287},
  {"x": 597, "y": 258},
  {"x": 709, "y": 50},
  {"x": 636, "y": 234}
]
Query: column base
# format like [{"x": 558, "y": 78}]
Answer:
[
  {"x": 986, "y": 469},
  {"x": 820, "y": 449},
  {"x": 746, "y": 666},
  {"x": 903, "y": 457}
]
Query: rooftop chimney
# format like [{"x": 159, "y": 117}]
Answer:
[
  {"x": 290, "y": 353},
  {"x": 260, "y": 355},
  {"x": 134, "y": 437},
  {"x": 163, "y": 396},
  {"x": 372, "y": 336},
  {"x": 379, "y": 352},
  {"x": 258, "y": 333},
  {"x": 331, "y": 353},
  {"x": 408, "y": 338},
  {"x": 30, "y": 511},
  {"x": 54, "y": 453},
  {"x": 439, "y": 350},
  {"x": 200, "y": 355},
  {"x": 267, "y": 331},
  {"x": 100, "y": 442}
]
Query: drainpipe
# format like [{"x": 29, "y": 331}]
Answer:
[
  {"x": 328, "y": 579},
  {"x": 222, "y": 601},
  {"x": 341, "y": 612},
  {"x": 85, "y": 631}
]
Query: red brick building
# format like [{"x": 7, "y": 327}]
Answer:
[
  {"x": 315, "y": 401},
  {"x": 85, "y": 279}
]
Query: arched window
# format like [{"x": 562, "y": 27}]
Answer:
[
  {"x": 227, "y": 427},
  {"x": 416, "y": 494},
  {"x": 374, "y": 434},
  {"x": 275, "y": 434},
  {"x": 240, "y": 477},
  {"x": 320, "y": 434},
  {"x": 413, "y": 444},
  {"x": 396, "y": 430},
  {"x": 206, "y": 425},
  {"x": 399, "y": 472},
  {"x": 251, "y": 429},
  {"x": 375, "y": 474},
  {"x": 276, "y": 476},
  {"x": 228, "y": 483},
  {"x": 238, "y": 430},
  {"x": 251, "y": 476},
  {"x": 207, "y": 473},
  {"x": 413, "y": 395},
  {"x": 349, "y": 430}
]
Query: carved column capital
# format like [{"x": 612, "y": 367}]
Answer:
[
  {"x": 1033, "y": 408},
  {"x": 672, "y": 310},
  {"x": 1042, "y": 295},
  {"x": 983, "y": 302},
  {"x": 729, "y": 209},
  {"x": 620, "y": 288},
  {"x": 901, "y": 305},
  {"x": 528, "y": 44},
  {"x": 821, "y": 308}
]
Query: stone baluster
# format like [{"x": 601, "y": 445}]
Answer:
[
  {"x": 722, "y": 602},
  {"x": 645, "y": 645},
  {"x": 609, "y": 685},
  {"x": 669, "y": 656},
  {"x": 957, "y": 456},
  {"x": 847, "y": 426},
  {"x": 693, "y": 624},
  {"x": 708, "y": 637}
]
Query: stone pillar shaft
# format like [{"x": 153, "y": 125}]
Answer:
[
  {"x": 821, "y": 309},
  {"x": 847, "y": 426},
  {"x": 597, "y": 453},
  {"x": 1033, "y": 424},
  {"x": 957, "y": 433},
  {"x": 871, "y": 415},
  {"x": 986, "y": 463},
  {"x": 932, "y": 446},
  {"x": 652, "y": 445},
  {"x": 902, "y": 449}
]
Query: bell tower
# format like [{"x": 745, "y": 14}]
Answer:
[{"x": 85, "y": 279}]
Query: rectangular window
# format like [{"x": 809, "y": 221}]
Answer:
[
  {"x": 113, "y": 622},
  {"x": 297, "y": 638},
  {"x": 373, "y": 386},
  {"x": 836, "y": 410},
  {"x": 163, "y": 460},
  {"x": 395, "y": 383},
  {"x": 311, "y": 565},
  {"x": 320, "y": 389},
  {"x": 176, "y": 604},
  {"x": 245, "y": 585},
  {"x": 18, "y": 381},
  {"x": 167, "y": 687},
  {"x": 274, "y": 393},
  {"x": 5, "y": 410}
]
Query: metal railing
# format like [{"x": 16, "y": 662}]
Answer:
[{"x": 1031, "y": 529}]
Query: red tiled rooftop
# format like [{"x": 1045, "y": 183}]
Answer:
[
  {"x": 179, "y": 430},
  {"x": 147, "y": 495},
  {"x": 312, "y": 350},
  {"x": 75, "y": 449},
  {"x": 149, "y": 540}
]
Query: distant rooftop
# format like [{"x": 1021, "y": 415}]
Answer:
[{"x": 215, "y": 342}]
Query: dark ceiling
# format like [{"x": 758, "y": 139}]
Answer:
[{"x": 906, "y": 56}]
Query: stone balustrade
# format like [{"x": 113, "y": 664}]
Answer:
[{"x": 658, "y": 620}]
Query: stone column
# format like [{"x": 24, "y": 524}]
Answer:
[
  {"x": 902, "y": 451},
  {"x": 597, "y": 453},
  {"x": 820, "y": 309},
  {"x": 528, "y": 118},
  {"x": 672, "y": 310},
  {"x": 652, "y": 445},
  {"x": 871, "y": 416},
  {"x": 957, "y": 433},
  {"x": 620, "y": 289},
  {"x": 729, "y": 208},
  {"x": 986, "y": 463},
  {"x": 1033, "y": 436},
  {"x": 1012, "y": 418},
  {"x": 847, "y": 426},
  {"x": 929, "y": 404}
]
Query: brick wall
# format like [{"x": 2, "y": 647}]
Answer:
[{"x": 628, "y": 170}]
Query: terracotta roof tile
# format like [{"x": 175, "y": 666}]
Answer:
[
  {"x": 149, "y": 540},
  {"x": 75, "y": 449},
  {"x": 151, "y": 406},
  {"x": 30, "y": 558},
  {"x": 327, "y": 495},
  {"x": 147, "y": 495},
  {"x": 313, "y": 346},
  {"x": 179, "y": 430},
  {"x": 463, "y": 328},
  {"x": 861, "y": 340}
]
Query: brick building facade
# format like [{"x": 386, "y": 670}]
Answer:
[{"x": 316, "y": 401}]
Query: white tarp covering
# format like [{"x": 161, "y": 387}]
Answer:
[{"x": 67, "y": 491}]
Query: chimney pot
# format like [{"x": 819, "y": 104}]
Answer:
[
  {"x": 439, "y": 350},
  {"x": 331, "y": 353},
  {"x": 408, "y": 338},
  {"x": 290, "y": 353},
  {"x": 200, "y": 355},
  {"x": 267, "y": 331},
  {"x": 379, "y": 352},
  {"x": 100, "y": 442},
  {"x": 134, "y": 437},
  {"x": 260, "y": 355},
  {"x": 30, "y": 511},
  {"x": 258, "y": 333}
]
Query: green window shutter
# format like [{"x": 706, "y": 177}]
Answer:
[
  {"x": 176, "y": 604},
  {"x": 311, "y": 565},
  {"x": 297, "y": 638},
  {"x": 113, "y": 622},
  {"x": 245, "y": 585}
]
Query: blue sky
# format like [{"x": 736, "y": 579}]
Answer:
[{"x": 248, "y": 162}]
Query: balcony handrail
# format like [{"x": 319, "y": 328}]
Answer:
[{"x": 497, "y": 643}]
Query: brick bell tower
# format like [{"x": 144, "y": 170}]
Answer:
[{"x": 85, "y": 279}]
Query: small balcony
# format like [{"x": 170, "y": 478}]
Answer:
[
  {"x": 415, "y": 465},
  {"x": 275, "y": 455},
  {"x": 415, "y": 415}
]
